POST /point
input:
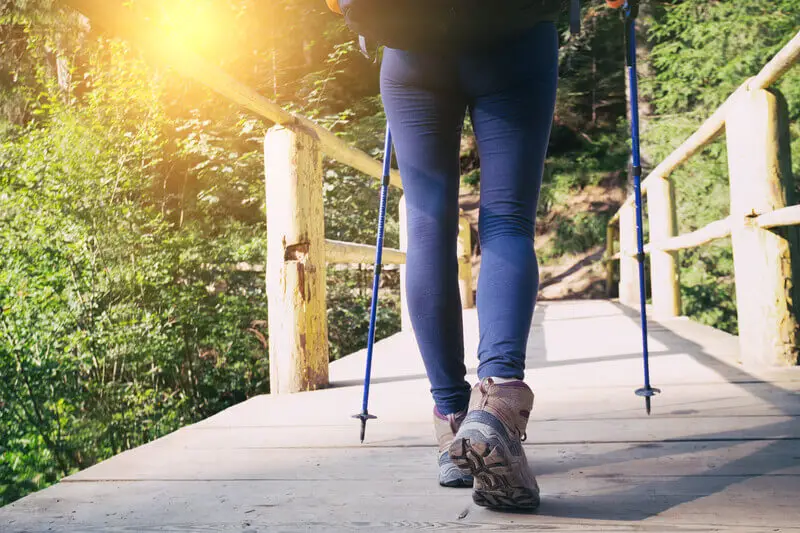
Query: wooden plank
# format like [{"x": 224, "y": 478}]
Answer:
[
  {"x": 707, "y": 458},
  {"x": 348, "y": 252},
  {"x": 570, "y": 502},
  {"x": 788, "y": 216},
  {"x": 128, "y": 22},
  {"x": 711, "y": 232},
  {"x": 341, "y": 432}
]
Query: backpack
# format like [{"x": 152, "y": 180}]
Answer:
[{"x": 437, "y": 24}]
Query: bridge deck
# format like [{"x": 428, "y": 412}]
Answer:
[{"x": 721, "y": 451}]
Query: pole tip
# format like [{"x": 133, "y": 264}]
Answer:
[
  {"x": 647, "y": 392},
  {"x": 364, "y": 416}
]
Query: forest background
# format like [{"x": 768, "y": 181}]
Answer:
[{"x": 128, "y": 194}]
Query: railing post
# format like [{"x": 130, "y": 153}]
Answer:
[
  {"x": 628, "y": 265},
  {"x": 762, "y": 258},
  {"x": 464, "y": 251},
  {"x": 611, "y": 237},
  {"x": 298, "y": 326},
  {"x": 664, "y": 272},
  {"x": 405, "y": 317}
]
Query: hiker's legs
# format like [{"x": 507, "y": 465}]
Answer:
[
  {"x": 426, "y": 113},
  {"x": 512, "y": 92}
]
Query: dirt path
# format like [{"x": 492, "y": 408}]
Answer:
[{"x": 572, "y": 276}]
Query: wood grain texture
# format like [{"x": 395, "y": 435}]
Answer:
[
  {"x": 788, "y": 216},
  {"x": 709, "y": 233},
  {"x": 338, "y": 252},
  {"x": 296, "y": 267},
  {"x": 768, "y": 328}
]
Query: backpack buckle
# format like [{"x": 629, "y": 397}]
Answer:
[{"x": 363, "y": 46}]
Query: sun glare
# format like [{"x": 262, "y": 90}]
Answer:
[{"x": 193, "y": 25}]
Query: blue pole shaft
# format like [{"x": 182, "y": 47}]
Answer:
[
  {"x": 637, "y": 184},
  {"x": 387, "y": 166}
]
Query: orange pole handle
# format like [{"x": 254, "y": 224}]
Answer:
[{"x": 333, "y": 5}]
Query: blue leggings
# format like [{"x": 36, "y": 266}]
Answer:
[{"x": 510, "y": 91}]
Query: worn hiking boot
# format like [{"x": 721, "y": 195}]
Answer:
[
  {"x": 445, "y": 428},
  {"x": 489, "y": 446}
]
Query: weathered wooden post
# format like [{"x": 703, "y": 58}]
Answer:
[
  {"x": 628, "y": 265},
  {"x": 664, "y": 272},
  {"x": 464, "y": 251},
  {"x": 298, "y": 326},
  {"x": 405, "y": 317},
  {"x": 762, "y": 258},
  {"x": 611, "y": 237}
]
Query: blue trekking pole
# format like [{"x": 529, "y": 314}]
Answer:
[
  {"x": 387, "y": 167},
  {"x": 631, "y": 12}
]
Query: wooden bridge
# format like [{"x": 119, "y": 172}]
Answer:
[{"x": 722, "y": 451}]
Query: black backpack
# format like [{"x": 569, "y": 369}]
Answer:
[{"x": 436, "y": 24}]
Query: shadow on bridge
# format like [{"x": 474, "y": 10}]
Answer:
[{"x": 778, "y": 452}]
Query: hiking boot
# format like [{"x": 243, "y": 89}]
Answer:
[
  {"x": 489, "y": 446},
  {"x": 446, "y": 428}
]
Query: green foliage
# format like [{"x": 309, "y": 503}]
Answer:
[
  {"x": 707, "y": 288},
  {"x": 702, "y": 51},
  {"x": 126, "y": 196},
  {"x": 349, "y": 299},
  {"x": 580, "y": 232},
  {"x": 120, "y": 321}
]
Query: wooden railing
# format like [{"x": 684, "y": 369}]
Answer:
[
  {"x": 755, "y": 121},
  {"x": 297, "y": 251},
  {"x": 297, "y": 256}
]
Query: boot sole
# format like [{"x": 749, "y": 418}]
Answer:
[{"x": 488, "y": 464}]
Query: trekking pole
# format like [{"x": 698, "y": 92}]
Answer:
[
  {"x": 631, "y": 11},
  {"x": 387, "y": 167}
]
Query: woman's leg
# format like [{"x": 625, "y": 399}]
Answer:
[
  {"x": 426, "y": 112},
  {"x": 512, "y": 93}
]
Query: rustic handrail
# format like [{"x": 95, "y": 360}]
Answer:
[
  {"x": 711, "y": 232},
  {"x": 715, "y": 124},
  {"x": 350, "y": 253},
  {"x": 788, "y": 216},
  {"x": 755, "y": 121}
]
